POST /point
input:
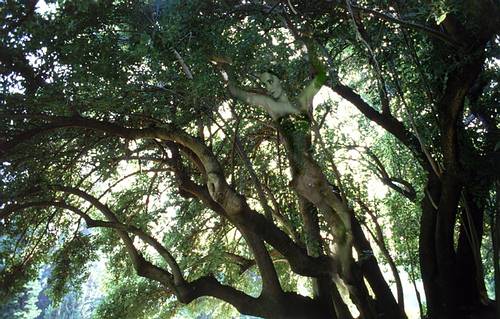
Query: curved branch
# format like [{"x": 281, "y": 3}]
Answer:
[
  {"x": 218, "y": 190},
  {"x": 398, "y": 184},
  {"x": 378, "y": 237},
  {"x": 297, "y": 257},
  {"x": 386, "y": 121},
  {"x": 209, "y": 286},
  {"x": 270, "y": 281},
  {"x": 185, "y": 292},
  {"x": 141, "y": 265},
  {"x": 114, "y": 224},
  {"x": 401, "y": 186}
]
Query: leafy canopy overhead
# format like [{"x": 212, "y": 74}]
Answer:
[{"x": 116, "y": 123}]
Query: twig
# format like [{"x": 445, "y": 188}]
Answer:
[
  {"x": 185, "y": 67},
  {"x": 432, "y": 32}
]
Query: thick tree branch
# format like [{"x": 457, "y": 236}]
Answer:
[
  {"x": 242, "y": 262},
  {"x": 379, "y": 239},
  {"x": 186, "y": 292},
  {"x": 235, "y": 206},
  {"x": 209, "y": 286},
  {"x": 143, "y": 267},
  {"x": 270, "y": 280},
  {"x": 388, "y": 122}
]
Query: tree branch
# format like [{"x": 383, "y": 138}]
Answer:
[
  {"x": 364, "y": 38},
  {"x": 14, "y": 61},
  {"x": 386, "y": 121},
  {"x": 233, "y": 207},
  {"x": 185, "y": 292},
  {"x": 141, "y": 265},
  {"x": 430, "y": 31}
]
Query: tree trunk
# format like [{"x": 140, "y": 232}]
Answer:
[
  {"x": 472, "y": 292},
  {"x": 324, "y": 289},
  {"x": 427, "y": 250},
  {"x": 386, "y": 304},
  {"x": 311, "y": 184},
  {"x": 445, "y": 252}
]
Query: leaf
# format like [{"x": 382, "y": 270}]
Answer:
[{"x": 441, "y": 18}]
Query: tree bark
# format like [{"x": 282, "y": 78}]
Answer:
[
  {"x": 386, "y": 304},
  {"x": 472, "y": 293},
  {"x": 323, "y": 286},
  {"x": 427, "y": 250}
]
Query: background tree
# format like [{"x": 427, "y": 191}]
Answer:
[{"x": 119, "y": 138}]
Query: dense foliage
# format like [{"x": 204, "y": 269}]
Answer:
[{"x": 120, "y": 141}]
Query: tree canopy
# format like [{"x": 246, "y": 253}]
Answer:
[{"x": 121, "y": 140}]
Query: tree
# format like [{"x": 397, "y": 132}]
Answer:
[
  {"x": 117, "y": 128},
  {"x": 23, "y": 305}
]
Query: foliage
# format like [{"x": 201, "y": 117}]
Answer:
[
  {"x": 114, "y": 121},
  {"x": 132, "y": 298},
  {"x": 70, "y": 266},
  {"x": 23, "y": 305}
]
